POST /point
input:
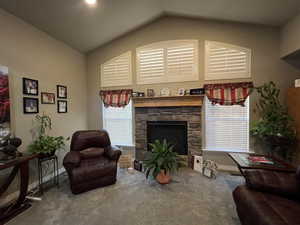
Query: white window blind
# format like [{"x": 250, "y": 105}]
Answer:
[
  {"x": 226, "y": 127},
  {"x": 224, "y": 61},
  {"x": 118, "y": 123},
  {"x": 117, "y": 71},
  {"x": 168, "y": 61}
]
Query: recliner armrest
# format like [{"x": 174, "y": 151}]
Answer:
[
  {"x": 274, "y": 182},
  {"x": 113, "y": 153},
  {"x": 71, "y": 160}
]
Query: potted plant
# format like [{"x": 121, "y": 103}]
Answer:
[
  {"x": 45, "y": 145},
  {"x": 162, "y": 161},
  {"x": 275, "y": 127}
]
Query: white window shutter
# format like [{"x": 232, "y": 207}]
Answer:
[
  {"x": 117, "y": 71},
  {"x": 226, "y": 127},
  {"x": 168, "y": 61},
  {"x": 224, "y": 61},
  {"x": 182, "y": 61},
  {"x": 150, "y": 65}
]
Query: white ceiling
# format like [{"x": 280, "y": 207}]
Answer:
[{"x": 86, "y": 28}]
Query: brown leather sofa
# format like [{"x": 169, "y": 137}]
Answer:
[
  {"x": 269, "y": 198},
  {"x": 92, "y": 161}
]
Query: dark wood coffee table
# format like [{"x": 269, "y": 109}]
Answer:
[{"x": 244, "y": 162}]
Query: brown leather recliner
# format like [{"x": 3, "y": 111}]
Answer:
[
  {"x": 269, "y": 198},
  {"x": 92, "y": 161}
]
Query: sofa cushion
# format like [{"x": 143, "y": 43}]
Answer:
[
  {"x": 261, "y": 208},
  {"x": 279, "y": 183},
  {"x": 91, "y": 153},
  {"x": 93, "y": 168}
]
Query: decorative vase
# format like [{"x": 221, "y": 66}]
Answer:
[{"x": 163, "y": 178}]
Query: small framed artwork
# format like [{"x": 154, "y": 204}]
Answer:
[
  {"x": 30, "y": 105},
  {"x": 181, "y": 91},
  {"x": 30, "y": 87},
  {"x": 62, "y": 106},
  {"x": 165, "y": 92},
  {"x": 150, "y": 93},
  {"x": 61, "y": 91},
  {"x": 47, "y": 98},
  {"x": 210, "y": 169}
]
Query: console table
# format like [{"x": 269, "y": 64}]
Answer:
[{"x": 19, "y": 164}]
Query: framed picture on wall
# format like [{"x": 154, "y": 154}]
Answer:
[
  {"x": 62, "y": 106},
  {"x": 30, "y": 86},
  {"x": 61, "y": 91},
  {"x": 47, "y": 98},
  {"x": 30, "y": 105}
]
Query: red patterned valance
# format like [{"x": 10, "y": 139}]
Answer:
[
  {"x": 116, "y": 98},
  {"x": 228, "y": 94}
]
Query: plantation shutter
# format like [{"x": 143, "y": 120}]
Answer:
[
  {"x": 182, "y": 61},
  {"x": 224, "y": 61},
  {"x": 117, "y": 71},
  {"x": 168, "y": 61},
  {"x": 150, "y": 65},
  {"x": 226, "y": 127}
]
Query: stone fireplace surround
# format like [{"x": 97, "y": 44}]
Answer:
[{"x": 190, "y": 114}]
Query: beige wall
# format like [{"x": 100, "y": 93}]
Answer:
[
  {"x": 28, "y": 52},
  {"x": 290, "y": 37},
  {"x": 264, "y": 42}
]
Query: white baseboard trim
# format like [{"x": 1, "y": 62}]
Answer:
[{"x": 11, "y": 197}]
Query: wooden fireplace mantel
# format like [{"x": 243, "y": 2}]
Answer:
[{"x": 168, "y": 101}]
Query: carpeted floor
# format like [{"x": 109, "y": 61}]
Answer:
[{"x": 190, "y": 199}]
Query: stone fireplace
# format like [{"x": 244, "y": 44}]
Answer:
[{"x": 167, "y": 122}]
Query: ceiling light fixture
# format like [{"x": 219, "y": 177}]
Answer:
[{"x": 91, "y": 2}]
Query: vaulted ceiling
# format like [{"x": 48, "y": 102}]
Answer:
[{"x": 85, "y": 27}]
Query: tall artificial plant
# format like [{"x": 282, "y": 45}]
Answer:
[{"x": 275, "y": 127}]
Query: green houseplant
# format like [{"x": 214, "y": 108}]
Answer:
[
  {"x": 162, "y": 161},
  {"x": 44, "y": 144},
  {"x": 275, "y": 127}
]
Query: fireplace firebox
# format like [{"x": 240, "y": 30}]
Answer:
[{"x": 175, "y": 132}]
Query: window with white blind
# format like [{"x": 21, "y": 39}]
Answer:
[
  {"x": 227, "y": 127},
  {"x": 225, "y": 61},
  {"x": 168, "y": 61},
  {"x": 118, "y": 122},
  {"x": 117, "y": 71}
]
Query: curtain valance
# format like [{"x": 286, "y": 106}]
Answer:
[
  {"x": 229, "y": 93},
  {"x": 116, "y": 98}
]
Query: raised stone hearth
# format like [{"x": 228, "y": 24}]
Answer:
[{"x": 192, "y": 115}]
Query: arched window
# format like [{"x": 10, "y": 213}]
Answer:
[
  {"x": 225, "y": 61},
  {"x": 117, "y": 71},
  {"x": 168, "y": 61}
]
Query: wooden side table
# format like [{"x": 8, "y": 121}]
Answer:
[
  {"x": 20, "y": 164},
  {"x": 43, "y": 160}
]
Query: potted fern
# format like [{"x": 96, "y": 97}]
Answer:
[
  {"x": 45, "y": 145},
  {"x": 275, "y": 127},
  {"x": 162, "y": 161}
]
